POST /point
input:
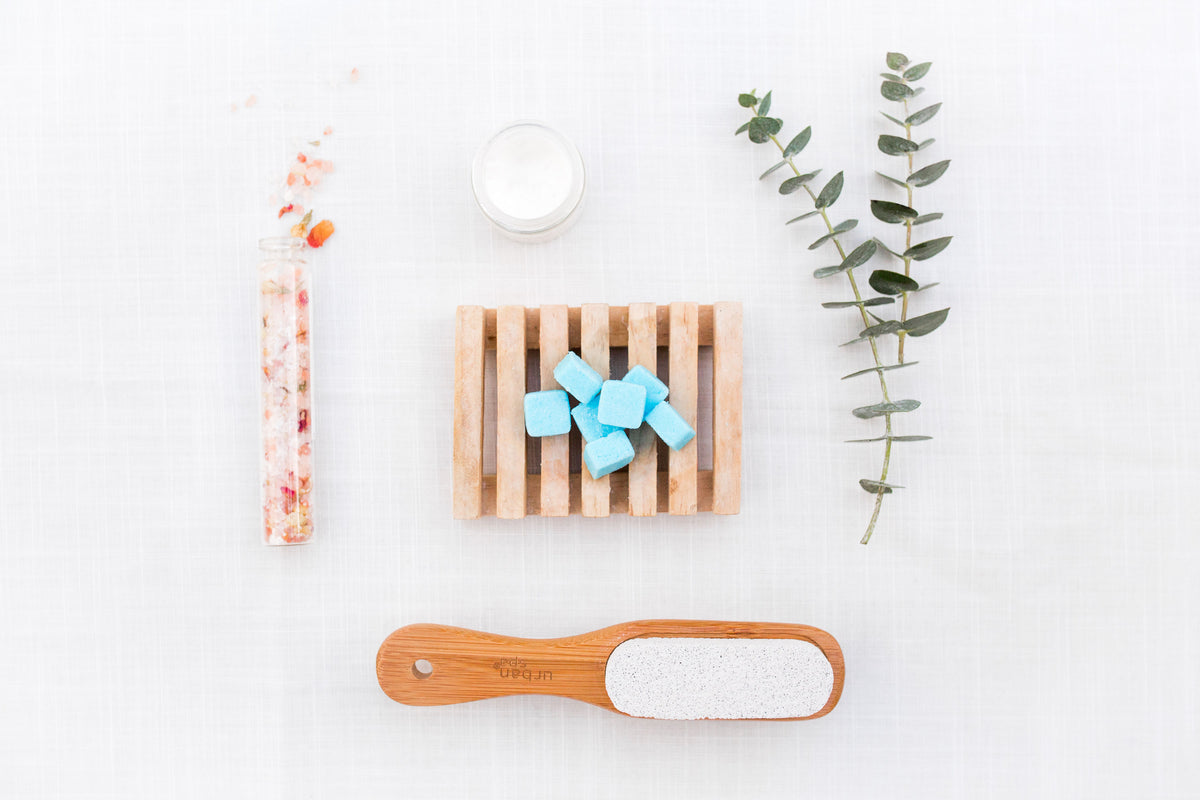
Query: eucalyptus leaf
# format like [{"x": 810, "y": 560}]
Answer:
[
  {"x": 929, "y": 249},
  {"x": 763, "y": 128},
  {"x": 798, "y": 142},
  {"x": 891, "y": 76},
  {"x": 893, "y": 180},
  {"x": 926, "y": 323},
  {"x": 895, "y": 145},
  {"x": 822, "y": 240},
  {"x": 758, "y": 130},
  {"x": 887, "y": 211},
  {"x": 882, "y": 329},
  {"x": 890, "y": 438},
  {"x": 886, "y": 368},
  {"x": 888, "y": 282},
  {"x": 764, "y": 105},
  {"x": 895, "y": 91},
  {"x": 859, "y": 255},
  {"x": 888, "y": 249},
  {"x": 830, "y": 193},
  {"x": 926, "y": 143},
  {"x": 772, "y": 169},
  {"x": 927, "y": 175},
  {"x": 921, "y": 220},
  {"x": 742, "y": 129},
  {"x": 917, "y": 71},
  {"x": 747, "y": 100},
  {"x": 808, "y": 176},
  {"x": 924, "y": 115},
  {"x": 879, "y": 409},
  {"x": 825, "y": 272},
  {"x": 925, "y": 286},
  {"x": 870, "y": 301},
  {"x": 875, "y": 487},
  {"x": 845, "y": 225},
  {"x": 794, "y": 184},
  {"x": 918, "y": 91},
  {"x": 893, "y": 119},
  {"x": 802, "y": 216},
  {"x": 897, "y": 60}
]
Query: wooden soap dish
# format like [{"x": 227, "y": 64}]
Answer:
[{"x": 641, "y": 490}]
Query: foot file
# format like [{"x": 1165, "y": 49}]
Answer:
[{"x": 661, "y": 669}]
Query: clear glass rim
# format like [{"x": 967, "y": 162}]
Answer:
[
  {"x": 547, "y": 222},
  {"x": 281, "y": 244}
]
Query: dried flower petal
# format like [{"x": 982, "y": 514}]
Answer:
[
  {"x": 251, "y": 101},
  {"x": 328, "y": 132},
  {"x": 301, "y": 158},
  {"x": 289, "y": 207},
  {"x": 320, "y": 232},
  {"x": 354, "y": 75}
]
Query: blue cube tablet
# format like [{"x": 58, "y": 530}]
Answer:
[
  {"x": 622, "y": 404},
  {"x": 670, "y": 426},
  {"x": 574, "y": 375},
  {"x": 587, "y": 419},
  {"x": 608, "y": 454},
  {"x": 547, "y": 413},
  {"x": 656, "y": 390}
]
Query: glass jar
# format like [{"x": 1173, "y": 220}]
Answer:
[
  {"x": 285, "y": 308},
  {"x": 528, "y": 180}
]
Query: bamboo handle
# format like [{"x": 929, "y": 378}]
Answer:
[{"x": 432, "y": 665}]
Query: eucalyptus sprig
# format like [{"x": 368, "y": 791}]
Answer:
[
  {"x": 897, "y": 87},
  {"x": 762, "y": 128}
]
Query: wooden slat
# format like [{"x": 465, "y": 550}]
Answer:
[
  {"x": 684, "y": 358},
  {"x": 552, "y": 342},
  {"x": 618, "y": 486},
  {"x": 643, "y": 472},
  {"x": 618, "y": 326},
  {"x": 727, "y": 408},
  {"x": 510, "y": 412},
  {"x": 467, "y": 479},
  {"x": 594, "y": 330}
]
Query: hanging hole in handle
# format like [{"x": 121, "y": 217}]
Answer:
[{"x": 422, "y": 669}]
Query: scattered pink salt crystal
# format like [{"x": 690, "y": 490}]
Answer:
[
  {"x": 354, "y": 75},
  {"x": 328, "y": 132},
  {"x": 251, "y": 101}
]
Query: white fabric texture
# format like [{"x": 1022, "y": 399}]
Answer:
[{"x": 1024, "y": 623}]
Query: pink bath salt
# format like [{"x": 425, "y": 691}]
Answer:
[
  {"x": 251, "y": 101},
  {"x": 354, "y": 75},
  {"x": 286, "y": 401},
  {"x": 328, "y": 132}
]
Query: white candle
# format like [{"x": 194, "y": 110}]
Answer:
[{"x": 528, "y": 180}]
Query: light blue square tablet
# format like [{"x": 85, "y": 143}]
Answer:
[
  {"x": 622, "y": 404},
  {"x": 656, "y": 390},
  {"x": 670, "y": 426},
  {"x": 608, "y": 454},
  {"x": 547, "y": 413},
  {"x": 574, "y": 375},
  {"x": 588, "y": 421}
]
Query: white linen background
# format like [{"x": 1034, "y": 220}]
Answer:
[{"x": 1024, "y": 623}]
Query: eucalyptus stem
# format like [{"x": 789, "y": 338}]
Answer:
[
  {"x": 862, "y": 310},
  {"x": 892, "y": 286}
]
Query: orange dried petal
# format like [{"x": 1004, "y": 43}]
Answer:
[{"x": 320, "y": 232}]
